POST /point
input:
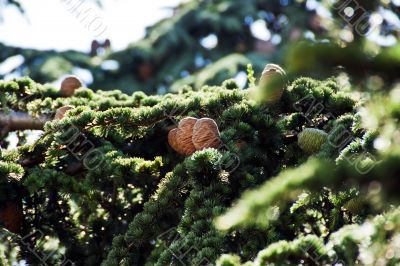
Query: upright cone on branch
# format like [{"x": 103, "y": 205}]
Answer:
[
  {"x": 61, "y": 112},
  {"x": 271, "y": 85},
  {"x": 180, "y": 139},
  {"x": 172, "y": 139},
  {"x": 205, "y": 134},
  {"x": 69, "y": 85},
  {"x": 184, "y": 135},
  {"x": 310, "y": 140},
  {"x": 194, "y": 134}
]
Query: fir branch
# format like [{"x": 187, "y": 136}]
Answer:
[{"x": 15, "y": 121}]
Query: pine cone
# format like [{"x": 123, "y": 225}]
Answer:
[
  {"x": 354, "y": 205},
  {"x": 180, "y": 139},
  {"x": 310, "y": 140},
  {"x": 61, "y": 112},
  {"x": 206, "y": 134},
  {"x": 194, "y": 134},
  {"x": 272, "y": 83},
  {"x": 172, "y": 139},
  {"x": 11, "y": 217},
  {"x": 69, "y": 85},
  {"x": 184, "y": 135}
]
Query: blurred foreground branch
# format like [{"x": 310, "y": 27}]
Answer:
[{"x": 21, "y": 121}]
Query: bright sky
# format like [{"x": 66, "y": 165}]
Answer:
[{"x": 73, "y": 24}]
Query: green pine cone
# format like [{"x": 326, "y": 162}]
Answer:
[
  {"x": 310, "y": 140},
  {"x": 271, "y": 84}
]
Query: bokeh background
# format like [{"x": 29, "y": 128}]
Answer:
[{"x": 160, "y": 46}]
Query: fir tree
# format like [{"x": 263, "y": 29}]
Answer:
[
  {"x": 102, "y": 185},
  {"x": 306, "y": 177}
]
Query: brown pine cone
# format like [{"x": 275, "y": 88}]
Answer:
[
  {"x": 69, "y": 85},
  {"x": 61, "y": 112},
  {"x": 172, "y": 139},
  {"x": 184, "y": 135},
  {"x": 206, "y": 134}
]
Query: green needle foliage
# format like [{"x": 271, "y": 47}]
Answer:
[{"x": 103, "y": 187}]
